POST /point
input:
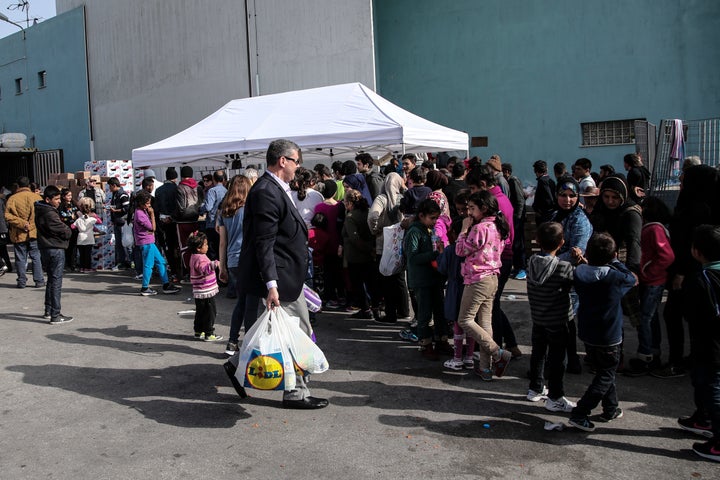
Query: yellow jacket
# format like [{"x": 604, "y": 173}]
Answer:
[{"x": 20, "y": 215}]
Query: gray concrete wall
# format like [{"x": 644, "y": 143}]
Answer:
[{"x": 157, "y": 67}]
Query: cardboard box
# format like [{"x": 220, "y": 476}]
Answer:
[
  {"x": 66, "y": 176},
  {"x": 82, "y": 175}
]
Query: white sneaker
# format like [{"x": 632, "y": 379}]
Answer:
[
  {"x": 534, "y": 396},
  {"x": 562, "y": 404},
  {"x": 453, "y": 364}
]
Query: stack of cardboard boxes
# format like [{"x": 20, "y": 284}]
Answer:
[{"x": 103, "y": 255}]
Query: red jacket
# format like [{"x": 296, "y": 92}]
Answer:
[{"x": 656, "y": 254}]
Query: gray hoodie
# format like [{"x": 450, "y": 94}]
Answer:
[{"x": 549, "y": 281}]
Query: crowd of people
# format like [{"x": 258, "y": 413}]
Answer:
[{"x": 605, "y": 250}]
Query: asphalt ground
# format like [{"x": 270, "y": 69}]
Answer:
[{"x": 126, "y": 392}]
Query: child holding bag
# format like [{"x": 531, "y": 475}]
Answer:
[{"x": 481, "y": 243}]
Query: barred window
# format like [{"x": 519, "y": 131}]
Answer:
[{"x": 614, "y": 132}]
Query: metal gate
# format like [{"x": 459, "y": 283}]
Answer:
[
  {"x": 702, "y": 138},
  {"x": 646, "y": 141},
  {"x": 45, "y": 163}
]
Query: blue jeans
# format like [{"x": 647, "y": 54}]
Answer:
[
  {"x": 152, "y": 258},
  {"x": 649, "y": 333},
  {"x": 706, "y": 382},
  {"x": 602, "y": 389},
  {"x": 22, "y": 251},
  {"x": 53, "y": 259}
]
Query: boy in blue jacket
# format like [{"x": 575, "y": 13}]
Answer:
[{"x": 601, "y": 284}]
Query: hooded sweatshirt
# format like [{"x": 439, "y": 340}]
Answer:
[
  {"x": 549, "y": 281},
  {"x": 600, "y": 290},
  {"x": 187, "y": 202},
  {"x": 51, "y": 231}
]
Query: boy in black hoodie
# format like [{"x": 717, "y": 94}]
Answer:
[
  {"x": 702, "y": 292},
  {"x": 53, "y": 237}
]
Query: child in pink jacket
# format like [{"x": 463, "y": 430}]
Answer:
[
  {"x": 205, "y": 287},
  {"x": 481, "y": 243}
]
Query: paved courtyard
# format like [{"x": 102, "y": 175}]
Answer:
[{"x": 125, "y": 392}]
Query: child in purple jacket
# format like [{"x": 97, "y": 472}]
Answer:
[{"x": 144, "y": 233}]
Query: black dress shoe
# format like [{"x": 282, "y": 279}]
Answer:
[
  {"x": 307, "y": 403},
  {"x": 230, "y": 369}
]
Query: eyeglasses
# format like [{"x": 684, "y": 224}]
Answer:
[{"x": 296, "y": 161}]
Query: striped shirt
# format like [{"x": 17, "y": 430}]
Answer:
[{"x": 202, "y": 276}]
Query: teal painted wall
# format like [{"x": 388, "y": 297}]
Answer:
[
  {"x": 57, "y": 115},
  {"x": 526, "y": 73}
]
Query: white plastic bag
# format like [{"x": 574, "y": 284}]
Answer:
[
  {"x": 265, "y": 362},
  {"x": 307, "y": 356},
  {"x": 127, "y": 236},
  {"x": 391, "y": 261}
]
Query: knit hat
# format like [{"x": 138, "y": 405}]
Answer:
[
  {"x": 186, "y": 172},
  {"x": 615, "y": 184},
  {"x": 495, "y": 163},
  {"x": 149, "y": 173},
  {"x": 329, "y": 188},
  {"x": 171, "y": 173}
]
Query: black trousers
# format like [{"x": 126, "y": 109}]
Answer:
[{"x": 205, "y": 313}]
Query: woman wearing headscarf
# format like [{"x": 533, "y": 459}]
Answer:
[
  {"x": 577, "y": 230},
  {"x": 618, "y": 215},
  {"x": 356, "y": 181},
  {"x": 385, "y": 211}
]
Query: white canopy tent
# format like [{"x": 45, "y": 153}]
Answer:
[{"x": 326, "y": 121}]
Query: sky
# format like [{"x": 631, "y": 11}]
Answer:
[{"x": 40, "y": 9}]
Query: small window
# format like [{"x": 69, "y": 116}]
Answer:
[
  {"x": 18, "y": 86},
  {"x": 614, "y": 132},
  {"x": 41, "y": 79}
]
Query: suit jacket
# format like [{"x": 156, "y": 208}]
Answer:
[{"x": 274, "y": 242}]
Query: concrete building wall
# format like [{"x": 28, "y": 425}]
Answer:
[
  {"x": 526, "y": 73},
  {"x": 54, "y": 116},
  {"x": 157, "y": 67}
]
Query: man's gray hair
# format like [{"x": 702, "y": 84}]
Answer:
[
  {"x": 691, "y": 161},
  {"x": 280, "y": 148},
  {"x": 251, "y": 174}
]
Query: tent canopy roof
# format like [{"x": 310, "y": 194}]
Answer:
[{"x": 348, "y": 117}]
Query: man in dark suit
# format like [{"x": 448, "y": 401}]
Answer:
[{"x": 274, "y": 254}]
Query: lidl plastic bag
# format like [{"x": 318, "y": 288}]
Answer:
[
  {"x": 265, "y": 362},
  {"x": 392, "y": 261},
  {"x": 306, "y": 355}
]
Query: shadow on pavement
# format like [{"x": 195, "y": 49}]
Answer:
[{"x": 184, "y": 396}]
